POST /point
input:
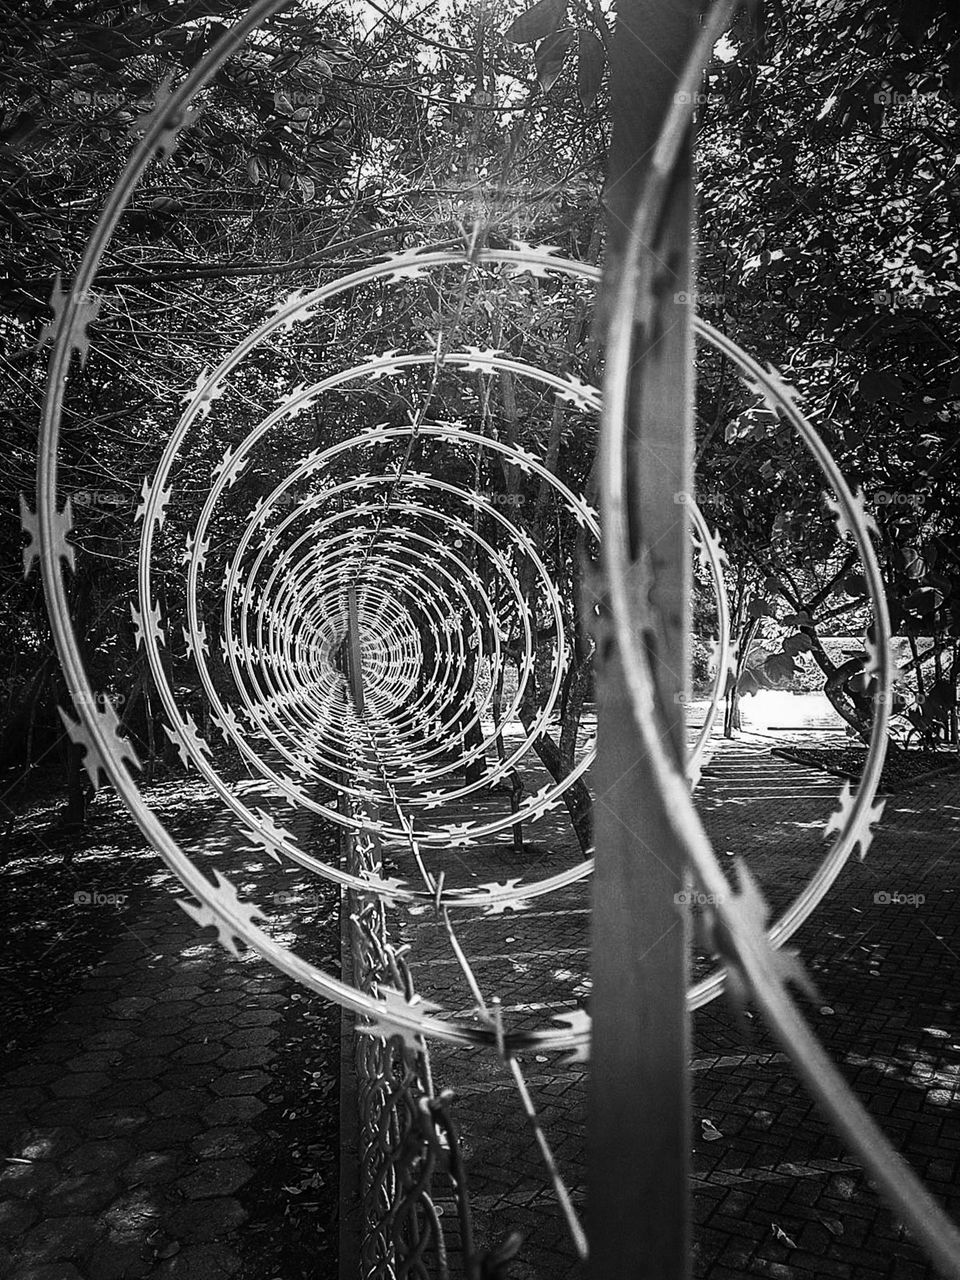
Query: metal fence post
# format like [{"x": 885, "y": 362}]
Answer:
[{"x": 639, "y": 1135}]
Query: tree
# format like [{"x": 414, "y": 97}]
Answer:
[{"x": 828, "y": 249}]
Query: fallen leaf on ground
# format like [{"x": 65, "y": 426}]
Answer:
[
  {"x": 709, "y": 1131},
  {"x": 782, "y": 1236}
]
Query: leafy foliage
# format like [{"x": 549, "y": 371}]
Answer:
[{"x": 828, "y": 234}]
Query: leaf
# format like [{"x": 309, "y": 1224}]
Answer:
[
  {"x": 591, "y": 57},
  {"x": 549, "y": 57},
  {"x": 797, "y": 644},
  {"x": 709, "y": 1131},
  {"x": 854, "y": 584},
  {"x": 780, "y": 667},
  {"x": 758, "y": 608},
  {"x": 536, "y": 23},
  {"x": 876, "y": 386},
  {"x": 926, "y": 600}
]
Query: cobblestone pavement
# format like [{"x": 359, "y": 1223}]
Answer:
[
  {"x": 133, "y": 1132},
  {"x": 775, "y": 1194},
  {"x": 131, "y": 1135}
]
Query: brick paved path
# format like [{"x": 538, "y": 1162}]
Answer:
[
  {"x": 133, "y": 1136},
  {"x": 134, "y": 1133},
  {"x": 775, "y": 1194}
]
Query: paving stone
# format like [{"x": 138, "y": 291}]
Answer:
[
  {"x": 133, "y": 1216},
  {"x": 164, "y": 1028},
  {"x": 232, "y": 1110},
  {"x": 251, "y": 1036},
  {"x": 204, "y": 1220},
  {"x": 255, "y": 1055},
  {"x": 737, "y": 1082},
  {"x": 256, "y": 1018},
  {"x": 152, "y": 1168},
  {"x": 112, "y": 1038},
  {"x": 219, "y": 998},
  {"x": 232, "y": 980},
  {"x": 146, "y": 1067},
  {"x": 132, "y": 1006},
  {"x": 117, "y": 1123},
  {"x": 200, "y": 1032},
  {"x": 81, "y": 1085},
  {"x": 157, "y": 1046},
  {"x": 67, "y": 1113},
  {"x": 72, "y": 1024},
  {"x": 172, "y": 1131},
  {"x": 99, "y": 1156},
  {"x": 266, "y": 983},
  {"x": 19, "y": 1100},
  {"x": 100, "y": 1060},
  {"x": 234, "y": 1140},
  {"x": 134, "y": 1093},
  {"x": 27, "y": 1180},
  {"x": 36, "y": 1074},
  {"x": 197, "y": 1054},
  {"x": 214, "y": 1020},
  {"x": 175, "y": 1011},
  {"x": 179, "y": 1075},
  {"x": 176, "y": 992},
  {"x": 83, "y": 1193},
  {"x": 235, "y": 1083},
  {"x": 216, "y": 1178},
  {"x": 268, "y": 1000},
  {"x": 11, "y": 1130},
  {"x": 60, "y": 1239},
  {"x": 179, "y": 1102},
  {"x": 120, "y": 1259},
  {"x": 201, "y": 1262},
  {"x": 53, "y": 1052},
  {"x": 16, "y": 1216},
  {"x": 46, "y": 1271},
  {"x": 39, "y": 1143}
]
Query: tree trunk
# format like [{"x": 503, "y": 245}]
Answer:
[
  {"x": 731, "y": 714},
  {"x": 576, "y": 797}
]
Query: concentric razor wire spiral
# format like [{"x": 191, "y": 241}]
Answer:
[
  {"x": 383, "y": 538},
  {"x": 447, "y": 590},
  {"x": 395, "y": 519}
]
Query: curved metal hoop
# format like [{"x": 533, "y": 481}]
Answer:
[
  {"x": 108, "y": 754},
  {"x": 748, "y": 952}
]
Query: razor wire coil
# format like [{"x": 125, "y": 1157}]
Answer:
[
  {"x": 358, "y": 514},
  {"x": 279, "y": 638}
]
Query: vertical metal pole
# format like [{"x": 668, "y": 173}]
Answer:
[
  {"x": 639, "y": 1135},
  {"x": 353, "y": 651}
]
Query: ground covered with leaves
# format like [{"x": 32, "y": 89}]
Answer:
[{"x": 901, "y": 768}]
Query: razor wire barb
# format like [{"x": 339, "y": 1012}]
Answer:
[{"x": 365, "y": 526}]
